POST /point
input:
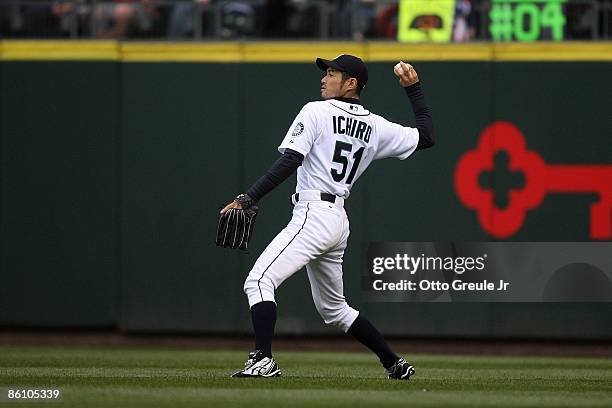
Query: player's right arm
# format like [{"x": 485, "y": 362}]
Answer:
[
  {"x": 409, "y": 80},
  {"x": 400, "y": 141}
]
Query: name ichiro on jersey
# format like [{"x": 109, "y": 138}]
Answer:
[{"x": 352, "y": 127}]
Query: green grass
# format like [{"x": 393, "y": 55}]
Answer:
[{"x": 127, "y": 377}]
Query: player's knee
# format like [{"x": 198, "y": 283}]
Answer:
[
  {"x": 248, "y": 286},
  {"x": 251, "y": 284},
  {"x": 341, "y": 315},
  {"x": 258, "y": 288},
  {"x": 332, "y": 317}
]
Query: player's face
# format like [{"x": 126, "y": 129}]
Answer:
[{"x": 332, "y": 85}]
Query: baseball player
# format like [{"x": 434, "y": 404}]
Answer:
[{"x": 330, "y": 143}]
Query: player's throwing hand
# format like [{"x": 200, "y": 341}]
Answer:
[{"x": 406, "y": 74}]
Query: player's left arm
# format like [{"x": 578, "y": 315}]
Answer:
[
  {"x": 282, "y": 168},
  {"x": 409, "y": 80},
  {"x": 296, "y": 144}
]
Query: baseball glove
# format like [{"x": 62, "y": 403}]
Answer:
[{"x": 235, "y": 226}]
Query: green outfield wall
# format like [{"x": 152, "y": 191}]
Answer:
[{"x": 113, "y": 168}]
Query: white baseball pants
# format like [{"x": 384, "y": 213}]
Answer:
[{"x": 316, "y": 237}]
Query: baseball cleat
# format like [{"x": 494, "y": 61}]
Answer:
[
  {"x": 258, "y": 366},
  {"x": 401, "y": 370}
]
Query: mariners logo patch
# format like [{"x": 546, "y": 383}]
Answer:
[{"x": 299, "y": 128}]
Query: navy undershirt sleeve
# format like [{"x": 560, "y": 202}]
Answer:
[
  {"x": 280, "y": 170},
  {"x": 422, "y": 114}
]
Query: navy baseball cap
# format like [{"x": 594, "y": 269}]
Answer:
[{"x": 350, "y": 64}]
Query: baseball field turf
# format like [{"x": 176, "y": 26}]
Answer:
[{"x": 129, "y": 377}]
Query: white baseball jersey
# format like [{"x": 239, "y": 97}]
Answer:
[{"x": 339, "y": 140}]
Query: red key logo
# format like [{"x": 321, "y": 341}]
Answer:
[{"x": 539, "y": 177}]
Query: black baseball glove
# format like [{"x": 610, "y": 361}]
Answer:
[{"x": 235, "y": 226}]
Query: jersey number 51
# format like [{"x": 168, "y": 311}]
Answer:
[{"x": 341, "y": 156}]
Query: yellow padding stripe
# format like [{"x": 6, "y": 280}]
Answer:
[
  {"x": 282, "y": 52},
  {"x": 59, "y": 50}
]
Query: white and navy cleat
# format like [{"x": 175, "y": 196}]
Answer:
[
  {"x": 258, "y": 366},
  {"x": 401, "y": 370}
]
